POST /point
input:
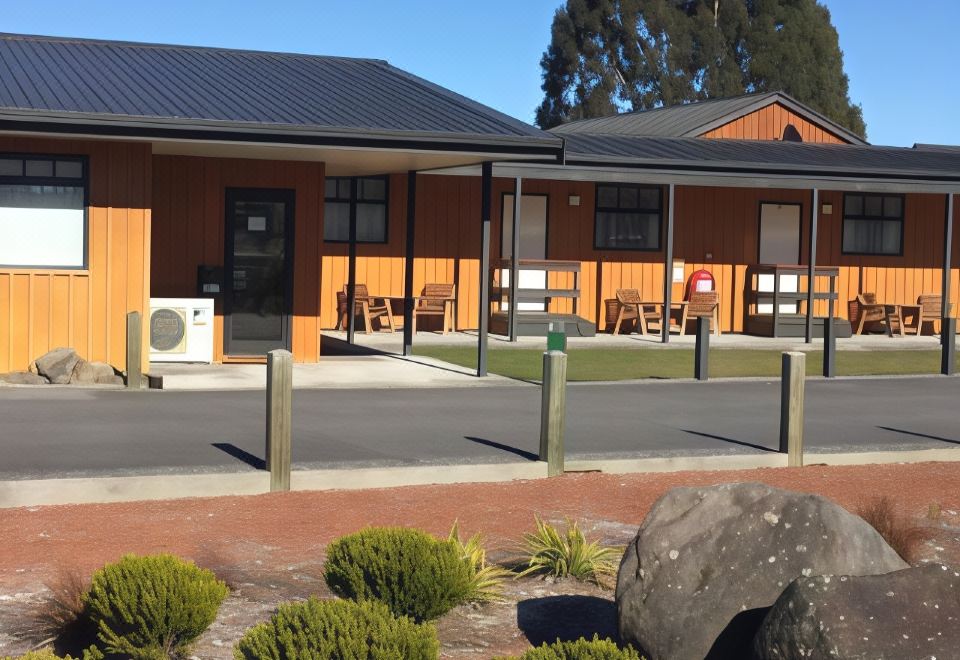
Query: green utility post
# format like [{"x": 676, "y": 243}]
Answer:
[{"x": 553, "y": 408}]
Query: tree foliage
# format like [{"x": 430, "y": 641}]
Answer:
[{"x": 612, "y": 55}]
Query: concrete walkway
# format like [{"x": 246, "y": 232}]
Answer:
[
  {"x": 332, "y": 372},
  {"x": 393, "y": 343}
]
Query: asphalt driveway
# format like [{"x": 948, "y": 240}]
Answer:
[{"x": 62, "y": 432}]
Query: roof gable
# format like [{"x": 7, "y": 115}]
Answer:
[{"x": 700, "y": 118}]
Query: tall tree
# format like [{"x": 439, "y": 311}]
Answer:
[{"x": 614, "y": 55}]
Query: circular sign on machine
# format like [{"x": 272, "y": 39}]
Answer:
[{"x": 167, "y": 330}]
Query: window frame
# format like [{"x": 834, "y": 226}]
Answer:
[
  {"x": 54, "y": 181},
  {"x": 597, "y": 209},
  {"x": 872, "y": 218},
  {"x": 353, "y": 202}
]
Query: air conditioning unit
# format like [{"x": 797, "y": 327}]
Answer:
[{"x": 181, "y": 330}]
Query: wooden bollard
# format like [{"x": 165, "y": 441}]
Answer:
[
  {"x": 553, "y": 411},
  {"x": 134, "y": 351},
  {"x": 791, "y": 407},
  {"x": 279, "y": 417}
]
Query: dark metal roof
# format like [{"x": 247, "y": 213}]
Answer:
[
  {"x": 752, "y": 156},
  {"x": 152, "y": 87},
  {"x": 695, "y": 119}
]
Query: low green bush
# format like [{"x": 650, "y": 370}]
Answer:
[
  {"x": 152, "y": 607},
  {"x": 338, "y": 630},
  {"x": 91, "y": 653},
  {"x": 582, "y": 649},
  {"x": 411, "y": 572}
]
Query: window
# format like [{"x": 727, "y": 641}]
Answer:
[
  {"x": 872, "y": 224},
  {"x": 43, "y": 220},
  {"x": 370, "y": 206},
  {"x": 628, "y": 217}
]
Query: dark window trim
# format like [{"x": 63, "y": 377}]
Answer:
[
  {"x": 901, "y": 219},
  {"x": 83, "y": 181},
  {"x": 658, "y": 212},
  {"x": 353, "y": 202}
]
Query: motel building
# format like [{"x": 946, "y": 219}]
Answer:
[{"x": 232, "y": 197}]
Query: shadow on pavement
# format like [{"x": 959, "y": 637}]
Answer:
[
  {"x": 255, "y": 462},
  {"x": 920, "y": 435},
  {"x": 530, "y": 456},
  {"x": 730, "y": 440}
]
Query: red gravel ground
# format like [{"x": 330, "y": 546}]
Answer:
[{"x": 270, "y": 547}]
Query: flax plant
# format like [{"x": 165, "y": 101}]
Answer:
[
  {"x": 486, "y": 582},
  {"x": 567, "y": 554}
]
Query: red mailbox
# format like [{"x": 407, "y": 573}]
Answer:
[{"x": 701, "y": 280}]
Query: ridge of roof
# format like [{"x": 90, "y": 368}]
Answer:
[
  {"x": 123, "y": 43},
  {"x": 696, "y": 118}
]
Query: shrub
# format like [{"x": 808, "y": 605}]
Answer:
[
  {"x": 486, "y": 580},
  {"x": 582, "y": 649},
  {"x": 152, "y": 607},
  {"x": 338, "y": 629},
  {"x": 413, "y": 573},
  {"x": 897, "y": 530},
  {"x": 91, "y": 653},
  {"x": 567, "y": 554}
]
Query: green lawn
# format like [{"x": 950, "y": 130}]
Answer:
[{"x": 587, "y": 364}]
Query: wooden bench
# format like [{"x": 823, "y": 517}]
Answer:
[{"x": 436, "y": 300}]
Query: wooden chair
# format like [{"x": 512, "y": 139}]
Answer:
[
  {"x": 631, "y": 307},
  {"x": 704, "y": 304},
  {"x": 366, "y": 306},
  {"x": 436, "y": 300},
  {"x": 929, "y": 309},
  {"x": 867, "y": 313}
]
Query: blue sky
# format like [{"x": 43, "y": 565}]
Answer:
[{"x": 900, "y": 56}]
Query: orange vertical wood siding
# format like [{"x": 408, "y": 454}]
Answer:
[
  {"x": 768, "y": 123},
  {"x": 188, "y": 231},
  {"x": 41, "y": 309}
]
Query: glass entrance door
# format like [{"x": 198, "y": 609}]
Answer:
[{"x": 258, "y": 272}]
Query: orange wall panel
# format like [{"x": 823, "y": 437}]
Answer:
[
  {"x": 188, "y": 231},
  {"x": 768, "y": 123},
  {"x": 41, "y": 309}
]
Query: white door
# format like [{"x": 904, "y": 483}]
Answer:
[
  {"x": 779, "y": 244},
  {"x": 533, "y": 244}
]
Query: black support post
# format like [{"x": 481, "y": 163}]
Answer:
[
  {"x": 667, "y": 269},
  {"x": 946, "y": 312},
  {"x": 702, "y": 352},
  {"x": 829, "y": 349},
  {"x": 352, "y": 266},
  {"x": 486, "y": 190},
  {"x": 812, "y": 263},
  {"x": 408, "y": 299},
  {"x": 515, "y": 256},
  {"x": 948, "y": 340}
]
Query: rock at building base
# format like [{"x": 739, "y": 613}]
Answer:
[
  {"x": 94, "y": 373},
  {"x": 24, "y": 378},
  {"x": 57, "y": 365}
]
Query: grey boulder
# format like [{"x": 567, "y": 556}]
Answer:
[
  {"x": 24, "y": 378},
  {"x": 708, "y": 563},
  {"x": 94, "y": 373},
  {"x": 913, "y": 613},
  {"x": 57, "y": 365}
]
